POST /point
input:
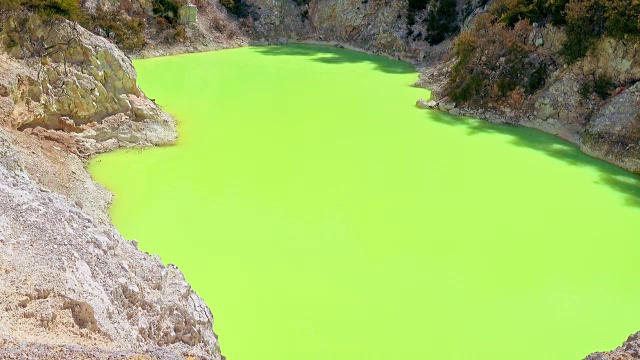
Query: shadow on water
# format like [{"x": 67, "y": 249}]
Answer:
[
  {"x": 332, "y": 55},
  {"x": 618, "y": 179}
]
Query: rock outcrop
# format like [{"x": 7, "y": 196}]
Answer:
[
  {"x": 613, "y": 133},
  {"x": 69, "y": 279},
  {"x": 604, "y": 128},
  {"x": 629, "y": 350},
  {"x": 70, "y": 285},
  {"x": 200, "y": 25},
  {"x": 59, "y": 77},
  {"x": 375, "y": 26}
]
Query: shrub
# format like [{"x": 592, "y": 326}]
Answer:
[
  {"x": 556, "y": 11},
  {"x": 124, "y": 31},
  {"x": 585, "y": 23},
  {"x": 467, "y": 89},
  {"x": 417, "y": 5},
  {"x": 9, "y": 5},
  {"x": 586, "y": 89},
  {"x": 537, "y": 79},
  {"x": 413, "y": 7},
  {"x": 167, "y": 9},
  {"x": 68, "y": 9},
  {"x": 585, "y": 20},
  {"x": 493, "y": 62},
  {"x": 464, "y": 84},
  {"x": 603, "y": 86},
  {"x": 512, "y": 11},
  {"x": 622, "y": 18},
  {"x": 238, "y": 8},
  {"x": 442, "y": 21},
  {"x": 180, "y": 34}
]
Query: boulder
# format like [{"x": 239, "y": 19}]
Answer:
[
  {"x": 424, "y": 104},
  {"x": 59, "y": 76},
  {"x": 613, "y": 133},
  {"x": 446, "y": 105}
]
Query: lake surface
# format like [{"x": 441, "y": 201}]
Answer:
[{"x": 321, "y": 215}]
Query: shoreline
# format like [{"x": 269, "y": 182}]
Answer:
[{"x": 486, "y": 114}]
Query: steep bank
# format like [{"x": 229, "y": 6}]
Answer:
[
  {"x": 592, "y": 101},
  {"x": 69, "y": 280},
  {"x": 149, "y": 28}
]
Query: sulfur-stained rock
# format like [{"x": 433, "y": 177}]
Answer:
[{"x": 62, "y": 77}]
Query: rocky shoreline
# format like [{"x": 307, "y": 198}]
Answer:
[
  {"x": 74, "y": 288},
  {"x": 71, "y": 286},
  {"x": 605, "y": 129}
]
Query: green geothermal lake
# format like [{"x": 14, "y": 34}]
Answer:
[{"x": 321, "y": 215}]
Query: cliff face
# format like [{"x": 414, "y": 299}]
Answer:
[
  {"x": 59, "y": 80},
  {"x": 567, "y": 104},
  {"x": 198, "y": 25},
  {"x": 376, "y": 26},
  {"x": 71, "y": 286},
  {"x": 69, "y": 279}
]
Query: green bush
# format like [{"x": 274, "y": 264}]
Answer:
[
  {"x": 584, "y": 20},
  {"x": 417, "y": 5},
  {"x": 467, "y": 89},
  {"x": 442, "y": 21},
  {"x": 413, "y": 7},
  {"x": 68, "y": 9},
  {"x": 512, "y": 11},
  {"x": 623, "y": 18},
  {"x": 603, "y": 86},
  {"x": 537, "y": 79},
  {"x": 126, "y": 32},
  {"x": 9, "y": 5},
  {"x": 465, "y": 85},
  {"x": 556, "y": 11},
  {"x": 585, "y": 23},
  {"x": 167, "y": 9},
  {"x": 494, "y": 64},
  {"x": 237, "y": 7}
]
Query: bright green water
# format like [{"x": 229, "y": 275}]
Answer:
[{"x": 322, "y": 216}]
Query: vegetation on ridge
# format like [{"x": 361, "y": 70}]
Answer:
[
  {"x": 68, "y": 9},
  {"x": 498, "y": 61},
  {"x": 585, "y": 20},
  {"x": 238, "y": 8},
  {"x": 441, "y": 19},
  {"x": 125, "y": 27}
]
